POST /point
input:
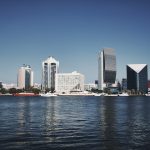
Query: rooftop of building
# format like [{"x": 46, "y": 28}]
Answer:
[
  {"x": 137, "y": 67},
  {"x": 72, "y": 73},
  {"x": 50, "y": 59}
]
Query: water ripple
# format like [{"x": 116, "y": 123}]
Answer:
[{"x": 75, "y": 123}]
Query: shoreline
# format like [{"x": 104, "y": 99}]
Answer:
[{"x": 73, "y": 94}]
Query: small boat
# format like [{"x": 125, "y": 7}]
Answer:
[
  {"x": 25, "y": 94},
  {"x": 123, "y": 94},
  {"x": 99, "y": 94},
  {"x": 147, "y": 94},
  {"x": 48, "y": 94}
]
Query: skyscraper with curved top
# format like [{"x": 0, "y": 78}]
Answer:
[
  {"x": 106, "y": 68},
  {"x": 49, "y": 69}
]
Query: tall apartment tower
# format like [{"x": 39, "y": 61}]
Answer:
[
  {"x": 25, "y": 77},
  {"x": 137, "y": 77},
  {"x": 49, "y": 68},
  {"x": 106, "y": 68}
]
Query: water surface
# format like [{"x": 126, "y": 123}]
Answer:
[{"x": 78, "y": 122}]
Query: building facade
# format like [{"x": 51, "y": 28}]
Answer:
[
  {"x": 69, "y": 82},
  {"x": 137, "y": 77},
  {"x": 1, "y": 85},
  {"x": 49, "y": 68},
  {"x": 124, "y": 84},
  {"x": 106, "y": 68},
  {"x": 148, "y": 85},
  {"x": 25, "y": 77},
  {"x": 89, "y": 87}
]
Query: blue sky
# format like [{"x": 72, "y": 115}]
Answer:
[{"x": 72, "y": 31}]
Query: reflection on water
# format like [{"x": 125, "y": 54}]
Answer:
[{"x": 74, "y": 123}]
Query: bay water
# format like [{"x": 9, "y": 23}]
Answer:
[{"x": 74, "y": 123}]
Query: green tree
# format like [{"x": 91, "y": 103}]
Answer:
[
  {"x": 19, "y": 90},
  {"x": 3, "y": 91},
  {"x": 36, "y": 91},
  {"x": 12, "y": 90}
]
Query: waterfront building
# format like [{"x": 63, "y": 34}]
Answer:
[
  {"x": 49, "y": 68},
  {"x": 148, "y": 85},
  {"x": 1, "y": 85},
  {"x": 96, "y": 84},
  {"x": 89, "y": 87},
  {"x": 124, "y": 84},
  {"x": 69, "y": 82},
  {"x": 9, "y": 85},
  {"x": 25, "y": 77},
  {"x": 37, "y": 85},
  {"x": 137, "y": 77},
  {"x": 106, "y": 68}
]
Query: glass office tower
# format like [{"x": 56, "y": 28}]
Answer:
[
  {"x": 106, "y": 68},
  {"x": 137, "y": 77}
]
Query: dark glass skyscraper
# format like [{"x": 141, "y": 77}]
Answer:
[
  {"x": 124, "y": 84},
  {"x": 137, "y": 77},
  {"x": 106, "y": 68}
]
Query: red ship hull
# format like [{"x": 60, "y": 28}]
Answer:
[{"x": 25, "y": 94}]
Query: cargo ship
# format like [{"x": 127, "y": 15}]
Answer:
[{"x": 25, "y": 94}]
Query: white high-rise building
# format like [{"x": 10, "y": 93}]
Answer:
[
  {"x": 106, "y": 68},
  {"x": 69, "y": 82},
  {"x": 49, "y": 68},
  {"x": 25, "y": 77}
]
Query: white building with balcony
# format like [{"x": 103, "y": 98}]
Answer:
[{"x": 69, "y": 82}]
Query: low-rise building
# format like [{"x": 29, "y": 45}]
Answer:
[
  {"x": 89, "y": 87},
  {"x": 69, "y": 82},
  {"x": 9, "y": 86}
]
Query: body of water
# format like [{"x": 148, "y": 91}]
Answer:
[{"x": 74, "y": 123}]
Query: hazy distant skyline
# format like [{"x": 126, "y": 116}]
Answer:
[{"x": 73, "y": 32}]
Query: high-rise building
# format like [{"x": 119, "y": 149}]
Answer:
[
  {"x": 124, "y": 84},
  {"x": 106, "y": 68},
  {"x": 1, "y": 85},
  {"x": 69, "y": 82},
  {"x": 137, "y": 77},
  {"x": 25, "y": 77},
  {"x": 49, "y": 68}
]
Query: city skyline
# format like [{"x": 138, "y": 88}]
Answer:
[{"x": 73, "y": 32}]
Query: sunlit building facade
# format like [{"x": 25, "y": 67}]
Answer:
[
  {"x": 137, "y": 77},
  {"x": 25, "y": 77},
  {"x": 69, "y": 82},
  {"x": 49, "y": 68},
  {"x": 106, "y": 68}
]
